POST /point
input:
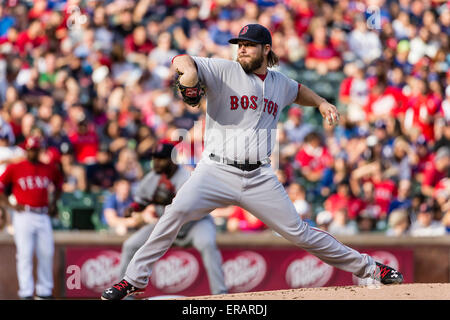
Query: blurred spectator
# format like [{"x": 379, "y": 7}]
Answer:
[
  {"x": 162, "y": 54},
  {"x": 242, "y": 220},
  {"x": 445, "y": 107},
  {"x": 383, "y": 102},
  {"x": 28, "y": 122},
  {"x": 9, "y": 153},
  {"x": 321, "y": 56},
  {"x": 313, "y": 158},
  {"x": 402, "y": 25},
  {"x": 114, "y": 136},
  {"x": 426, "y": 226},
  {"x": 323, "y": 220},
  {"x": 296, "y": 130},
  {"x": 56, "y": 136},
  {"x": 377, "y": 191},
  {"x": 398, "y": 223},
  {"x": 145, "y": 142},
  {"x": 398, "y": 165},
  {"x": 421, "y": 156},
  {"x": 137, "y": 46},
  {"x": 354, "y": 91},
  {"x": 31, "y": 38},
  {"x": 340, "y": 199},
  {"x": 74, "y": 174},
  {"x": 444, "y": 139},
  {"x": 114, "y": 208},
  {"x": 363, "y": 42},
  {"x": 16, "y": 115},
  {"x": 128, "y": 166},
  {"x": 102, "y": 174},
  {"x": 341, "y": 225},
  {"x": 6, "y": 20},
  {"x": 422, "y": 45},
  {"x": 335, "y": 175},
  {"x": 366, "y": 221},
  {"x": 420, "y": 108},
  {"x": 435, "y": 171},
  {"x": 403, "y": 198},
  {"x": 6, "y": 131},
  {"x": 220, "y": 33},
  {"x": 297, "y": 195},
  {"x": 85, "y": 142}
]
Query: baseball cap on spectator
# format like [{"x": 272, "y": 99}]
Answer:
[
  {"x": 324, "y": 217},
  {"x": 425, "y": 208},
  {"x": 421, "y": 141},
  {"x": 296, "y": 112},
  {"x": 362, "y": 132},
  {"x": 380, "y": 124},
  {"x": 225, "y": 15},
  {"x": 254, "y": 33},
  {"x": 403, "y": 46},
  {"x": 32, "y": 143},
  {"x": 162, "y": 151}
]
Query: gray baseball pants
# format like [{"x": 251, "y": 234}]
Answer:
[
  {"x": 202, "y": 236},
  {"x": 213, "y": 185}
]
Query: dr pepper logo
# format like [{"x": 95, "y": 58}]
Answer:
[
  {"x": 175, "y": 272},
  {"x": 101, "y": 271},
  {"x": 245, "y": 271},
  {"x": 308, "y": 272}
]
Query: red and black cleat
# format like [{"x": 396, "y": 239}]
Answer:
[
  {"x": 387, "y": 275},
  {"x": 121, "y": 290}
]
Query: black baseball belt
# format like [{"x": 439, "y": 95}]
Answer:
[{"x": 245, "y": 166}]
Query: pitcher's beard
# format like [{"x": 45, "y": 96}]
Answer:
[{"x": 253, "y": 65}]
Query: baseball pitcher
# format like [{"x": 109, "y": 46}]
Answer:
[{"x": 244, "y": 102}]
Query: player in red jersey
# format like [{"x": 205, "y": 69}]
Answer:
[{"x": 31, "y": 183}]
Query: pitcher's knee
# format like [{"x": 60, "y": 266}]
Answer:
[
  {"x": 183, "y": 211},
  {"x": 297, "y": 233}
]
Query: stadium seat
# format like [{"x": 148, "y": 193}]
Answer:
[{"x": 79, "y": 211}]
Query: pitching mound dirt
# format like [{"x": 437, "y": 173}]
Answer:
[{"x": 416, "y": 291}]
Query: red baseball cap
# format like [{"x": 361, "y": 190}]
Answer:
[
  {"x": 32, "y": 143},
  {"x": 295, "y": 112}
]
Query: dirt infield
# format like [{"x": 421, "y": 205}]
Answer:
[{"x": 417, "y": 291}]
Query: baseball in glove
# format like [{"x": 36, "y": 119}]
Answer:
[{"x": 191, "y": 95}]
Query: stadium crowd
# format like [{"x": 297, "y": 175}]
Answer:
[{"x": 93, "y": 79}]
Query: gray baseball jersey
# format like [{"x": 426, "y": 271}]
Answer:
[
  {"x": 241, "y": 105},
  {"x": 243, "y": 110}
]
